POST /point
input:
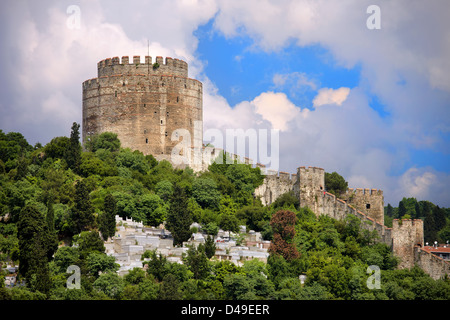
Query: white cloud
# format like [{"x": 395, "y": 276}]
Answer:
[
  {"x": 331, "y": 96},
  {"x": 295, "y": 79},
  {"x": 275, "y": 108}
]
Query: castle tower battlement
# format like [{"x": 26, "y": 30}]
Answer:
[
  {"x": 370, "y": 201},
  {"x": 407, "y": 234},
  {"x": 112, "y": 66},
  {"x": 144, "y": 104}
]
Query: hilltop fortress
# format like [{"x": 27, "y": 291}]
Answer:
[{"x": 146, "y": 103}]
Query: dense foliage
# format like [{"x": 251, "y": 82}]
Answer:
[{"x": 58, "y": 193}]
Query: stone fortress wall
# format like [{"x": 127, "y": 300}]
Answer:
[{"x": 405, "y": 237}]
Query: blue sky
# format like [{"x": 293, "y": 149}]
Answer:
[
  {"x": 372, "y": 105},
  {"x": 241, "y": 72}
]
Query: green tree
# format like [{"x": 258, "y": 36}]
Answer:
[
  {"x": 106, "y": 140},
  {"x": 66, "y": 256},
  {"x": 170, "y": 288},
  {"x": 153, "y": 208},
  {"x": 210, "y": 247},
  {"x": 89, "y": 242},
  {"x": 148, "y": 289},
  {"x": 157, "y": 265},
  {"x": 164, "y": 189},
  {"x": 439, "y": 218},
  {"x": 179, "y": 218},
  {"x": 110, "y": 284},
  {"x": 204, "y": 191},
  {"x": 73, "y": 152},
  {"x": 101, "y": 262},
  {"x": 197, "y": 261},
  {"x": 51, "y": 235},
  {"x": 82, "y": 212},
  {"x": 429, "y": 228},
  {"x": 287, "y": 200},
  {"x": 401, "y": 209},
  {"x": 107, "y": 225},
  {"x": 34, "y": 247},
  {"x": 335, "y": 183}
]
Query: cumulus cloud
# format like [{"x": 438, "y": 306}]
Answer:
[
  {"x": 331, "y": 96},
  {"x": 275, "y": 108}
]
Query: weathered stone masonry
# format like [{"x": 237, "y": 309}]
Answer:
[
  {"x": 143, "y": 103},
  {"x": 405, "y": 237}
]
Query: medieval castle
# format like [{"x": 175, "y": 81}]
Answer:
[{"x": 144, "y": 103}]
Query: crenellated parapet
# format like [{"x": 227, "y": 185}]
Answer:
[
  {"x": 368, "y": 200},
  {"x": 111, "y": 66}
]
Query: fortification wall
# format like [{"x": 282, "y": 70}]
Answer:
[
  {"x": 371, "y": 201},
  {"x": 308, "y": 184},
  {"x": 435, "y": 266},
  {"x": 143, "y": 105},
  {"x": 274, "y": 186},
  {"x": 406, "y": 234},
  {"x": 328, "y": 204},
  {"x": 311, "y": 180}
]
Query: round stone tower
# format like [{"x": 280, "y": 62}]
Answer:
[{"x": 143, "y": 103}]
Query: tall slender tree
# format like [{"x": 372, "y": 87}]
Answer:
[
  {"x": 179, "y": 218},
  {"x": 73, "y": 153},
  {"x": 33, "y": 248},
  {"x": 82, "y": 212},
  {"x": 107, "y": 223},
  {"x": 51, "y": 235}
]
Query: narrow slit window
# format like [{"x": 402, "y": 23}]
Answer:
[
  {"x": 115, "y": 93},
  {"x": 146, "y": 140},
  {"x": 161, "y": 122}
]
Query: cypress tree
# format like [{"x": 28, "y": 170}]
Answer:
[
  {"x": 82, "y": 212},
  {"x": 33, "y": 248},
  {"x": 51, "y": 235},
  {"x": 107, "y": 225},
  {"x": 73, "y": 153},
  {"x": 179, "y": 218},
  {"x": 401, "y": 209}
]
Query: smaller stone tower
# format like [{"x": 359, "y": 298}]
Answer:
[
  {"x": 311, "y": 184},
  {"x": 406, "y": 235},
  {"x": 370, "y": 201}
]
